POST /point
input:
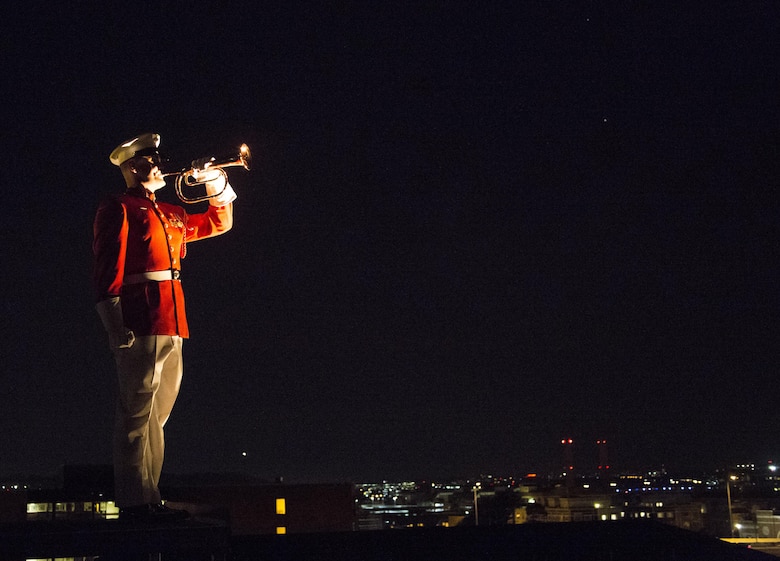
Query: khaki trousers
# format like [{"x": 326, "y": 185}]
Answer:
[{"x": 150, "y": 374}]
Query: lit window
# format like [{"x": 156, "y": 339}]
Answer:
[
  {"x": 38, "y": 507},
  {"x": 281, "y": 530},
  {"x": 281, "y": 506}
]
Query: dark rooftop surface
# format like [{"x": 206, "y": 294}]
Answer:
[
  {"x": 537, "y": 542},
  {"x": 200, "y": 539}
]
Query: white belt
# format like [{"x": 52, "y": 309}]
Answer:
[{"x": 157, "y": 276}]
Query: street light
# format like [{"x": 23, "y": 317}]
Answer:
[
  {"x": 729, "y": 478},
  {"x": 477, "y": 485}
]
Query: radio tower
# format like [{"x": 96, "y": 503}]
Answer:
[
  {"x": 568, "y": 455},
  {"x": 601, "y": 444}
]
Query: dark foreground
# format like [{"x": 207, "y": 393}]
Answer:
[{"x": 198, "y": 540}]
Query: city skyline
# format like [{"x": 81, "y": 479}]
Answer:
[{"x": 587, "y": 463}]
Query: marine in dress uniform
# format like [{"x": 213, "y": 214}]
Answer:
[{"x": 138, "y": 247}]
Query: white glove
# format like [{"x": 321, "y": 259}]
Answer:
[
  {"x": 226, "y": 193},
  {"x": 208, "y": 175},
  {"x": 110, "y": 312},
  {"x": 216, "y": 183}
]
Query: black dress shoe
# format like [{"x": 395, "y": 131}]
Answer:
[
  {"x": 138, "y": 512},
  {"x": 162, "y": 512},
  {"x": 152, "y": 513}
]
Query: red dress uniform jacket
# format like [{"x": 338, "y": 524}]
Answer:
[{"x": 135, "y": 234}]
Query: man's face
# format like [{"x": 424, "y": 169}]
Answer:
[{"x": 148, "y": 173}]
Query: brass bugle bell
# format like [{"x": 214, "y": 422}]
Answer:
[{"x": 200, "y": 170}]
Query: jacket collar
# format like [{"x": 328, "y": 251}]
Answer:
[{"x": 139, "y": 191}]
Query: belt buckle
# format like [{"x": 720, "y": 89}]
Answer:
[{"x": 176, "y": 274}]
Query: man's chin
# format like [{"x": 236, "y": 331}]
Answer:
[{"x": 155, "y": 185}]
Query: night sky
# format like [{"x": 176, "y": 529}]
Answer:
[{"x": 469, "y": 231}]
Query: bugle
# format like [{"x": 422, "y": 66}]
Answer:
[{"x": 206, "y": 170}]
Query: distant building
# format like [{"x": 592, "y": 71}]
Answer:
[
  {"x": 273, "y": 508},
  {"x": 575, "y": 509},
  {"x": 674, "y": 509},
  {"x": 767, "y": 524},
  {"x": 87, "y": 492},
  {"x": 249, "y": 508}
]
